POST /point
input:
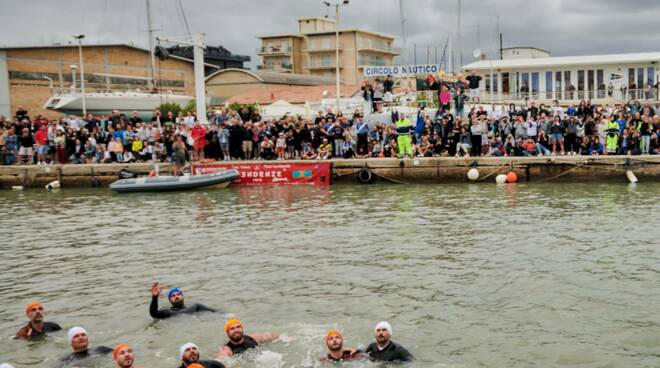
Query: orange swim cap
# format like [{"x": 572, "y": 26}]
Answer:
[
  {"x": 32, "y": 305},
  {"x": 230, "y": 323},
  {"x": 195, "y": 365},
  {"x": 333, "y": 333},
  {"x": 117, "y": 349}
]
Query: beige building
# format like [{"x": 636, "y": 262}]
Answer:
[
  {"x": 29, "y": 75},
  {"x": 312, "y": 50}
]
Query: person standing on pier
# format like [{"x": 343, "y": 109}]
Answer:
[{"x": 404, "y": 141}]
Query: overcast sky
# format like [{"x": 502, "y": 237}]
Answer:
[{"x": 564, "y": 27}]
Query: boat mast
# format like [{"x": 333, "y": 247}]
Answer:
[
  {"x": 403, "y": 32},
  {"x": 152, "y": 70}
]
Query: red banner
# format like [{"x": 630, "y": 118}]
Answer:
[{"x": 317, "y": 173}]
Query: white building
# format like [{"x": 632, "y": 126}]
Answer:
[{"x": 600, "y": 78}]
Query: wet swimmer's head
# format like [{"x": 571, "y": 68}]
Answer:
[
  {"x": 175, "y": 297},
  {"x": 234, "y": 330},
  {"x": 189, "y": 354},
  {"x": 35, "y": 312},
  {"x": 78, "y": 339},
  {"x": 123, "y": 356},
  {"x": 383, "y": 332},
  {"x": 334, "y": 340}
]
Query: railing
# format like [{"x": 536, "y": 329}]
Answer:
[
  {"x": 378, "y": 47},
  {"x": 322, "y": 48},
  {"x": 275, "y": 67},
  {"x": 566, "y": 97},
  {"x": 320, "y": 65},
  {"x": 274, "y": 50}
]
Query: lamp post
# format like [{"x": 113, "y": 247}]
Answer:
[
  {"x": 82, "y": 74},
  {"x": 336, "y": 5}
]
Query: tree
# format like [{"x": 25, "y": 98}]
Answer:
[{"x": 169, "y": 106}]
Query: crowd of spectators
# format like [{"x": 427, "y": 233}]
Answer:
[{"x": 476, "y": 130}]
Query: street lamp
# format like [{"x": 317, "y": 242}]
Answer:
[
  {"x": 336, "y": 5},
  {"x": 82, "y": 74}
]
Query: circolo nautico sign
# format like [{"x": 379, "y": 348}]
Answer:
[{"x": 400, "y": 70}]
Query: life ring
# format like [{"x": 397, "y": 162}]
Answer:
[{"x": 365, "y": 176}]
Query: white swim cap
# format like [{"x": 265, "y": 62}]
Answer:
[
  {"x": 185, "y": 347},
  {"x": 385, "y": 325},
  {"x": 73, "y": 332}
]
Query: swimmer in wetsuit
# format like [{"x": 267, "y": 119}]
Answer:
[
  {"x": 79, "y": 341},
  {"x": 386, "y": 350},
  {"x": 334, "y": 341},
  {"x": 189, "y": 355},
  {"x": 175, "y": 297},
  {"x": 36, "y": 327},
  {"x": 123, "y": 356},
  {"x": 239, "y": 342}
]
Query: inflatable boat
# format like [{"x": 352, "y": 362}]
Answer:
[{"x": 172, "y": 183}]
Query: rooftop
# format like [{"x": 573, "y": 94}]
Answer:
[
  {"x": 280, "y": 78},
  {"x": 294, "y": 95},
  {"x": 643, "y": 57},
  {"x": 129, "y": 45}
]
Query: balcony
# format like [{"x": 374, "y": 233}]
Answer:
[
  {"x": 287, "y": 68},
  {"x": 274, "y": 50},
  {"x": 379, "y": 48},
  {"x": 317, "y": 65},
  {"x": 322, "y": 48}
]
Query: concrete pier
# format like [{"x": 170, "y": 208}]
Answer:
[{"x": 418, "y": 170}]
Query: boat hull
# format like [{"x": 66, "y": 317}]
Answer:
[
  {"x": 105, "y": 103},
  {"x": 174, "y": 183}
]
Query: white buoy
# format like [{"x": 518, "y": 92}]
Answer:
[
  {"x": 500, "y": 179},
  {"x": 631, "y": 177},
  {"x": 473, "y": 174},
  {"x": 17, "y": 187},
  {"x": 53, "y": 185}
]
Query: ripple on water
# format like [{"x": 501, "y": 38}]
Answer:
[{"x": 470, "y": 275}]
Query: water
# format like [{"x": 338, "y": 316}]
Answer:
[{"x": 542, "y": 275}]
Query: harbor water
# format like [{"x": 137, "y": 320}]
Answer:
[{"x": 526, "y": 275}]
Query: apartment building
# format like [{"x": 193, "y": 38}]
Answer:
[{"x": 312, "y": 50}]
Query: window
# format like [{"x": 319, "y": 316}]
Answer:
[
  {"x": 590, "y": 84},
  {"x": 600, "y": 83},
  {"x": 487, "y": 78},
  {"x": 548, "y": 85},
  {"x": 640, "y": 82},
  {"x": 505, "y": 83},
  {"x": 650, "y": 75},
  {"x": 326, "y": 60},
  {"x": 558, "y": 88},
  {"x": 631, "y": 77},
  {"x": 495, "y": 83},
  {"x": 535, "y": 85},
  {"x": 580, "y": 84},
  {"x": 524, "y": 84}
]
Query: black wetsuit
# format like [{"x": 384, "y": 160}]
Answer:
[
  {"x": 346, "y": 355},
  {"x": 29, "y": 332},
  {"x": 248, "y": 343},
  {"x": 89, "y": 353},
  {"x": 167, "y": 313},
  {"x": 393, "y": 352},
  {"x": 207, "y": 364}
]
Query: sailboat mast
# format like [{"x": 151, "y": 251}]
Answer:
[
  {"x": 152, "y": 70},
  {"x": 403, "y": 32}
]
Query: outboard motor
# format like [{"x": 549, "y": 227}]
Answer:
[{"x": 127, "y": 174}]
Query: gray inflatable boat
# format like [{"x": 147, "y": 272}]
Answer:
[{"x": 172, "y": 183}]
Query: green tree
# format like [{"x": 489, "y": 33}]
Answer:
[{"x": 169, "y": 106}]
